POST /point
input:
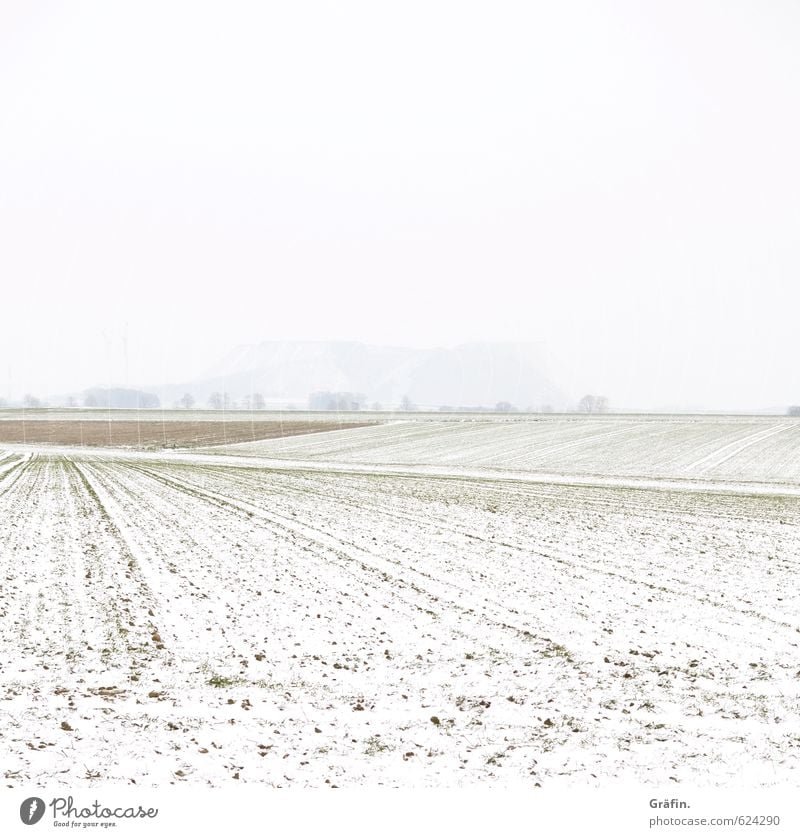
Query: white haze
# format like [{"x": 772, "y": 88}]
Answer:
[{"x": 617, "y": 179}]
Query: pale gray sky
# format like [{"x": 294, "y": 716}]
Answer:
[{"x": 619, "y": 179}]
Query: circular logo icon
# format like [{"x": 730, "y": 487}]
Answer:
[{"x": 31, "y": 810}]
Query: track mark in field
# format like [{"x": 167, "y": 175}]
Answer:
[
  {"x": 8, "y": 459},
  {"x": 188, "y": 571},
  {"x": 441, "y": 594},
  {"x": 661, "y": 576},
  {"x": 172, "y": 612},
  {"x": 77, "y": 601},
  {"x": 472, "y": 630},
  {"x": 110, "y": 578},
  {"x": 726, "y": 452},
  {"x": 14, "y": 469},
  {"x": 586, "y": 441},
  {"x": 315, "y": 624}
]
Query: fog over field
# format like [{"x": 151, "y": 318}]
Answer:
[
  {"x": 615, "y": 182},
  {"x": 399, "y": 395}
]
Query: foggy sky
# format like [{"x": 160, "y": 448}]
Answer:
[{"x": 618, "y": 179}]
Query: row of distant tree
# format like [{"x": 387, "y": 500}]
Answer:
[
  {"x": 29, "y": 401},
  {"x": 357, "y": 401},
  {"x": 342, "y": 401},
  {"x": 353, "y": 401},
  {"x": 97, "y": 397},
  {"x": 223, "y": 401},
  {"x": 322, "y": 400}
]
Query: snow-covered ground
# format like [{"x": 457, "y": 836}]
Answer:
[
  {"x": 687, "y": 447},
  {"x": 214, "y": 619}
]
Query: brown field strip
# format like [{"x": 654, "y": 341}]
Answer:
[{"x": 157, "y": 434}]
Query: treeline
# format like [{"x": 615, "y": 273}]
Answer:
[
  {"x": 325, "y": 400},
  {"x": 119, "y": 398}
]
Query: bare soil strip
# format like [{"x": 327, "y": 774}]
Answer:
[{"x": 157, "y": 434}]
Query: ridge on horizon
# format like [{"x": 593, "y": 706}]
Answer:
[{"x": 479, "y": 373}]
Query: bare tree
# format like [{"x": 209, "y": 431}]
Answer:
[
  {"x": 504, "y": 407},
  {"x": 71, "y": 402},
  {"x": 90, "y": 400},
  {"x": 406, "y": 404},
  {"x": 794, "y": 410},
  {"x": 593, "y": 404},
  {"x": 187, "y": 401},
  {"x": 31, "y": 401},
  {"x": 215, "y": 400},
  {"x": 253, "y": 402}
]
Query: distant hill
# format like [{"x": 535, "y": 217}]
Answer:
[{"x": 472, "y": 374}]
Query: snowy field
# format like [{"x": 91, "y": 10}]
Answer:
[
  {"x": 750, "y": 449},
  {"x": 315, "y": 611}
]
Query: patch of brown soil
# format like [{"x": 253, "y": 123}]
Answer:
[{"x": 158, "y": 434}]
